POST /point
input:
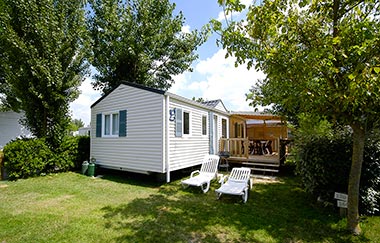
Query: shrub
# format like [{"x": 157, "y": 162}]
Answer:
[
  {"x": 76, "y": 149},
  {"x": 32, "y": 157},
  {"x": 370, "y": 178},
  {"x": 324, "y": 165},
  {"x": 26, "y": 157}
]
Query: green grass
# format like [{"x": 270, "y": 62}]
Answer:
[{"x": 70, "y": 207}]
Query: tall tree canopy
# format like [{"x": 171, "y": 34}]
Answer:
[
  {"x": 139, "y": 41},
  {"x": 320, "y": 57},
  {"x": 42, "y": 61}
]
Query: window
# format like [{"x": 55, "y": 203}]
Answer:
[
  {"x": 182, "y": 122},
  {"x": 239, "y": 130},
  {"x": 111, "y": 124},
  {"x": 186, "y": 123},
  {"x": 115, "y": 124},
  {"x": 204, "y": 125},
  {"x": 224, "y": 128}
]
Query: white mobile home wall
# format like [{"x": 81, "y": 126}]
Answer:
[
  {"x": 189, "y": 150},
  {"x": 151, "y": 144},
  {"x": 10, "y": 127},
  {"x": 141, "y": 149}
]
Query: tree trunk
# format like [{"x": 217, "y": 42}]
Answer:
[{"x": 354, "y": 179}]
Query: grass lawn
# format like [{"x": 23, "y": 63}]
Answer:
[{"x": 70, "y": 207}]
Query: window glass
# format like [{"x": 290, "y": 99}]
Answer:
[
  {"x": 186, "y": 123},
  {"x": 224, "y": 128},
  {"x": 115, "y": 124},
  {"x": 204, "y": 125},
  {"x": 107, "y": 124}
]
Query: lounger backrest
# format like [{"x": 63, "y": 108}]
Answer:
[
  {"x": 240, "y": 175},
  {"x": 210, "y": 164}
]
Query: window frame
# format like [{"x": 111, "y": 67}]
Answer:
[
  {"x": 184, "y": 123},
  {"x": 112, "y": 117}
]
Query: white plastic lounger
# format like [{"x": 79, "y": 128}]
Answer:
[
  {"x": 238, "y": 183},
  {"x": 203, "y": 177}
]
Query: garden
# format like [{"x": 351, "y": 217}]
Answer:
[
  {"x": 125, "y": 207},
  {"x": 47, "y": 199}
]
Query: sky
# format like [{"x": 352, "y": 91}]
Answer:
[{"x": 213, "y": 76}]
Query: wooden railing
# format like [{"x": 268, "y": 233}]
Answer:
[{"x": 237, "y": 147}]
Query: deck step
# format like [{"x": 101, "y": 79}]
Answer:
[
  {"x": 261, "y": 164},
  {"x": 264, "y": 169}
]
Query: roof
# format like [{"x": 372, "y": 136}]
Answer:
[
  {"x": 214, "y": 103},
  {"x": 196, "y": 103},
  {"x": 255, "y": 115},
  {"x": 139, "y": 86}
]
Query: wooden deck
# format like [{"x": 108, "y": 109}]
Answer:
[
  {"x": 239, "y": 154},
  {"x": 270, "y": 159},
  {"x": 262, "y": 163}
]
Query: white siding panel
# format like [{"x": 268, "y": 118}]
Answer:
[
  {"x": 220, "y": 107},
  {"x": 10, "y": 127},
  {"x": 141, "y": 149},
  {"x": 188, "y": 150}
]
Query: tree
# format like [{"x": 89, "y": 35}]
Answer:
[
  {"x": 320, "y": 57},
  {"x": 75, "y": 124},
  {"x": 139, "y": 41},
  {"x": 42, "y": 61}
]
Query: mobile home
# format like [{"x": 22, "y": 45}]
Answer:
[
  {"x": 145, "y": 130},
  {"x": 11, "y": 128}
]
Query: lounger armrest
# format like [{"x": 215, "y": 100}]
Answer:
[{"x": 194, "y": 172}]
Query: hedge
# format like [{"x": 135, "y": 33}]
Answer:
[
  {"x": 324, "y": 164},
  {"x": 25, "y": 158}
]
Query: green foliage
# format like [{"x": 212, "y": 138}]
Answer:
[
  {"x": 319, "y": 57},
  {"x": 76, "y": 149},
  {"x": 42, "y": 62},
  {"x": 32, "y": 157},
  {"x": 312, "y": 126},
  {"x": 139, "y": 41},
  {"x": 26, "y": 158},
  {"x": 75, "y": 124},
  {"x": 370, "y": 179},
  {"x": 323, "y": 163}
]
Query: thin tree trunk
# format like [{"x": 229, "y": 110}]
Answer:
[{"x": 354, "y": 179}]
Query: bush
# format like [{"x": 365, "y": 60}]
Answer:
[
  {"x": 76, "y": 149},
  {"x": 324, "y": 166},
  {"x": 31, "y": 157},
  {"x": 370, "y": 178},
  {"x": 26, "y": 157}
]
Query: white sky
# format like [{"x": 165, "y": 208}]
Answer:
[{"x": 214, "y": 77}]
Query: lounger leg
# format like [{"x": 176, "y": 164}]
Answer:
[
  {"x": 245, "y": 196},
  {"x": 205, "y": 189},
  {"x": 185, "y": 185},
  {"x": 218, "y": 195}
]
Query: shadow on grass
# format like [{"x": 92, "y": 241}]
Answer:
[
  {"x": 273, "y": 213},
  {"x": 138, "y": 179}
]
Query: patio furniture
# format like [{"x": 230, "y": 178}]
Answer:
[
  {"x": 238, "y": 183},
  {"x": 224, "y": 155},
  {"x": 203, "y": 177}
]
